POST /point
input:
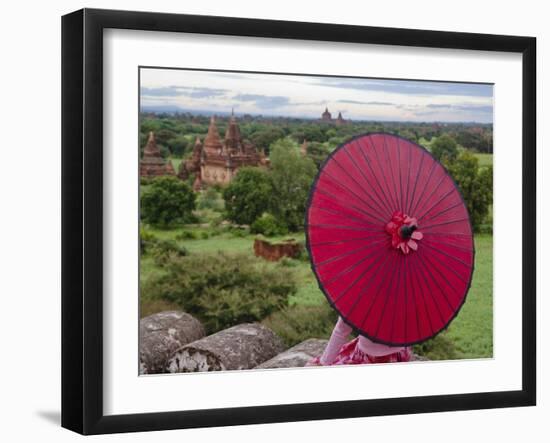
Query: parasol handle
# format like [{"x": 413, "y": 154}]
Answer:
[{"x": 407, "y": 231}]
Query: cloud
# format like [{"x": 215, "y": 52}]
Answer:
[
  {"x": 182, "y": 91},
  {"x": 206, "y": 92},
  {"x": 316, "y": 103},
  {"x": 263, "y": 101},
  {"x": 413, "y": 87},
  {"x": 373, "y": 103},
  {"x": 167, "y": 91},
  {"x": 464, "y": 107}
]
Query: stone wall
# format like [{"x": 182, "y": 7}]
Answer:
[{"x": 276, "y": 251}]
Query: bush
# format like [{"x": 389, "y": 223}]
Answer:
[
  {"x": 146, "y": 237},
  {"x": 187, "y": 235},
  {"x": 168, "y": 200},
  {"x": 222, "y": 290},
  {"x": 268, "y": 225},
  {"x": 300, "y": 322},
  {"x": 159, "y": 249},
  {"x": 237, "y": 232},
  {"x": 195, "y": 235},
  {"x": 247, "y": 196},
  {"x": 476, "y": 186},
  {"x": 287, "y": 262},
  {"x": 163, "y": 250}
]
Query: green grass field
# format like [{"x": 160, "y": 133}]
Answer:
[
  {"x": 471, "y": 333},
  {"x": 468, "y": 336},
  {"x": 485, "y": 159}
]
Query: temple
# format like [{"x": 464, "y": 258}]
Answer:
[
  {"x": 152, "y": 164},
  {"x": 216, "y": 161},
  {"x": 326, "y": 116}
]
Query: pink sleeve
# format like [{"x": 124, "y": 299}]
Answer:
[{"x": 338, "y": 338}]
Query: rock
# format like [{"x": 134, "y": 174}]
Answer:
[
  {"x": 297, "y": 356},
  {"x": 244, "y": 346},
  {"x": 276, "y": 251},
  {"x": 161, "y": 335}
]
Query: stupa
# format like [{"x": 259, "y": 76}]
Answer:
[{"x": 152, "y": 164}]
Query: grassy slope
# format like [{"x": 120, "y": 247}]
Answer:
[{"x": 470, "y": 333}]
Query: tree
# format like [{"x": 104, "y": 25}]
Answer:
[
  {"x": 291, "y": 178},
  {"x": 247, "y": 196},
  {"x": 310, "y": 132},
  {"x": 167, "y": 201},
  {"x": 262, "y": 139},
  {"x": 180, "y": 144},
  {"x": 476, "y": 186},
  {"x": 444, "y": 148},
  {"x": 318, "y": 152},
  {"x": 409, "y": 134}
]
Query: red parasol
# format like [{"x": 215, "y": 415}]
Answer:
[{"x": 390, "y": 239}]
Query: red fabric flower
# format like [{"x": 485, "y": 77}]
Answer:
[{"x": 399, "y": 239}]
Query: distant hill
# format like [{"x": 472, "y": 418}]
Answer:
[{"x": 172, "y": 109}]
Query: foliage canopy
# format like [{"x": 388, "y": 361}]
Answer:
[
  {"x": 221, "y": 289},
  {"x": 444, "y": 148},
  {"x": 247, "y": 196},
  {"x": 166, "y": 201},
  {"x": 476, "y": 185},
  {"x": 291, "y": 177}
]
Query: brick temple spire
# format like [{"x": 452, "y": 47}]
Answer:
[
  {"x": 152, "y": 164},
  {"x": 233, "y": 139},
  {"x": 212, "y": 142},
  {"x": 151, "y": 148},
  {"x": 192, "y": 165},
  {"x": 197, "y": 149}
]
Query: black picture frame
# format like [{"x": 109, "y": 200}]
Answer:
[{"x": 82, "y": 218}]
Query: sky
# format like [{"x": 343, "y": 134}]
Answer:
[{"x": 307, "y": 96}]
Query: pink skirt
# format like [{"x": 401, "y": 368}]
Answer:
[{"x": 350, "y": 354}]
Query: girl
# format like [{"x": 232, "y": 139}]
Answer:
[{"x": 360, "y": 350}]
